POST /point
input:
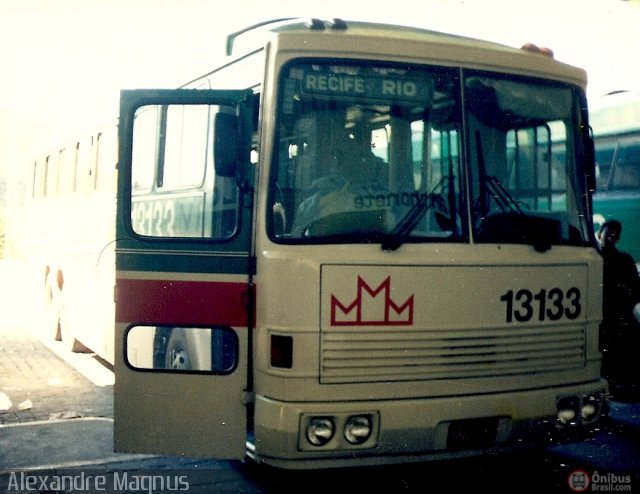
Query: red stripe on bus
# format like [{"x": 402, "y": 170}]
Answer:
[{"x": 182, "y": 303}]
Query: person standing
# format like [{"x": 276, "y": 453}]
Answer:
[{"x": 620, "y": 330}]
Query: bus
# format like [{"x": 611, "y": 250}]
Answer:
[
  {"x": 71, "y": 203},
  {"x": 615, "y": 119},
  {"x": 354, "y": 244}
]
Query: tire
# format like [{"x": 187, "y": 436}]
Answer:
[
  {"x": 53, "y": 305},
  {"x": 160, "y": 340},
  {"x": 179, "y": 355},
  {"x": 54, "y": 313},
  {"x": 71, "y": 343}
]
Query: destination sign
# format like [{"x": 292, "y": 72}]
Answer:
[{"x": 371, "y": 87}]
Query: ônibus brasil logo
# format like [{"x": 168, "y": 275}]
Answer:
[{"x": 579, "y": 481}]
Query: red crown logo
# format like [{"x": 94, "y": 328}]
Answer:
[{"x": 372, "y": 307}]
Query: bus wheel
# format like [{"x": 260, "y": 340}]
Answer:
[
  {"x": 53, "y": 307},
  {"x": 70, "y": 342},
  {"x": 178, "y": 355}
]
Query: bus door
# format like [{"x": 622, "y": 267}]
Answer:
[{"x": 184, "y": 293}]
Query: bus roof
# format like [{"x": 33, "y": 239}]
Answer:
[
  {"x": 257, "y": 34},
  {"x": 615, "y": 113},
  {"x": 255, "y": 37}
]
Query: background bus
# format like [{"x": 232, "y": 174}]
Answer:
[
  {"x": 615, "y": 120},
  {"x": 69, "y": 240}
]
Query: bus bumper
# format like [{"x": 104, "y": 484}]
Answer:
[{"x": 338, "y": 434}]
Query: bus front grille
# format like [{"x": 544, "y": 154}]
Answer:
[{"x": 389, "y": 354}]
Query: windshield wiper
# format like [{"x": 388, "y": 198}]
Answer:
[
  {"x": 491, "y": 186},
  {"x": 501, "y": 195},
  {"x": 513, "y": 225},
  {"x": 394, "y": 239}
]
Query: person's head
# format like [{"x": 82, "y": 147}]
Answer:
[{"x": 609, "y": 234}]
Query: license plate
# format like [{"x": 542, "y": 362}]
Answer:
[{"x": 472, "y": 433}]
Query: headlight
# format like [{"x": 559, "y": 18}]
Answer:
[
  {"x": 592, "y": 407},
  {"x": 357, "y": 429},
  {"x": 588, "y": 411},
  {"x": 574, "y": 410},
  {"x": 566, "y": 416},
  {"x": 320, "y": 430},
  {"x": 567, "y": 410}
]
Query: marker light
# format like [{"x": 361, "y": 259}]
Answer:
[
  {"x": 357, "y": 429},
  {"x": 281, "y": 351},
  {"x": 320, "y": 430},
  {"x": 542, "y": 50},
  {"x": 338, "y": 24},
  {"x": 315, "y": 24}
]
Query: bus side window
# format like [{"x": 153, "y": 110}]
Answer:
[
  {"x": 104, "y": 173},
  {"x": 39, "y": 177},
  {"x": 144, "y": 148},
  {"x": 185, "y": 147},
  {"x": 175, "y": 192},
  {"x": 536, "y": 166},
  {"x": 625, "y": 172}
]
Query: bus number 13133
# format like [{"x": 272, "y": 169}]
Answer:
[{"x": 553, "y": 304}]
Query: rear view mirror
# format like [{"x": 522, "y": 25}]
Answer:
[{"x": 225, "y": 145}]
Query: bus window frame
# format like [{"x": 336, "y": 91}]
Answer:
[
  {"x": 430, "y": 70},
  {"x": 576, "y": 130},
  {"x": 131, "y": 101}
]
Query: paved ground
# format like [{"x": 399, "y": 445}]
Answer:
[{"x": 36, "y": 384}]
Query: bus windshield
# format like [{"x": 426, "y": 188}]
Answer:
[{"x": 374, "y": 153}]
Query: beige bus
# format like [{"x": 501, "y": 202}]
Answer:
[{"x": 354, "y": 244}]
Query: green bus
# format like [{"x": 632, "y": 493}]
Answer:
[{"x": 615, "y": 120}]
